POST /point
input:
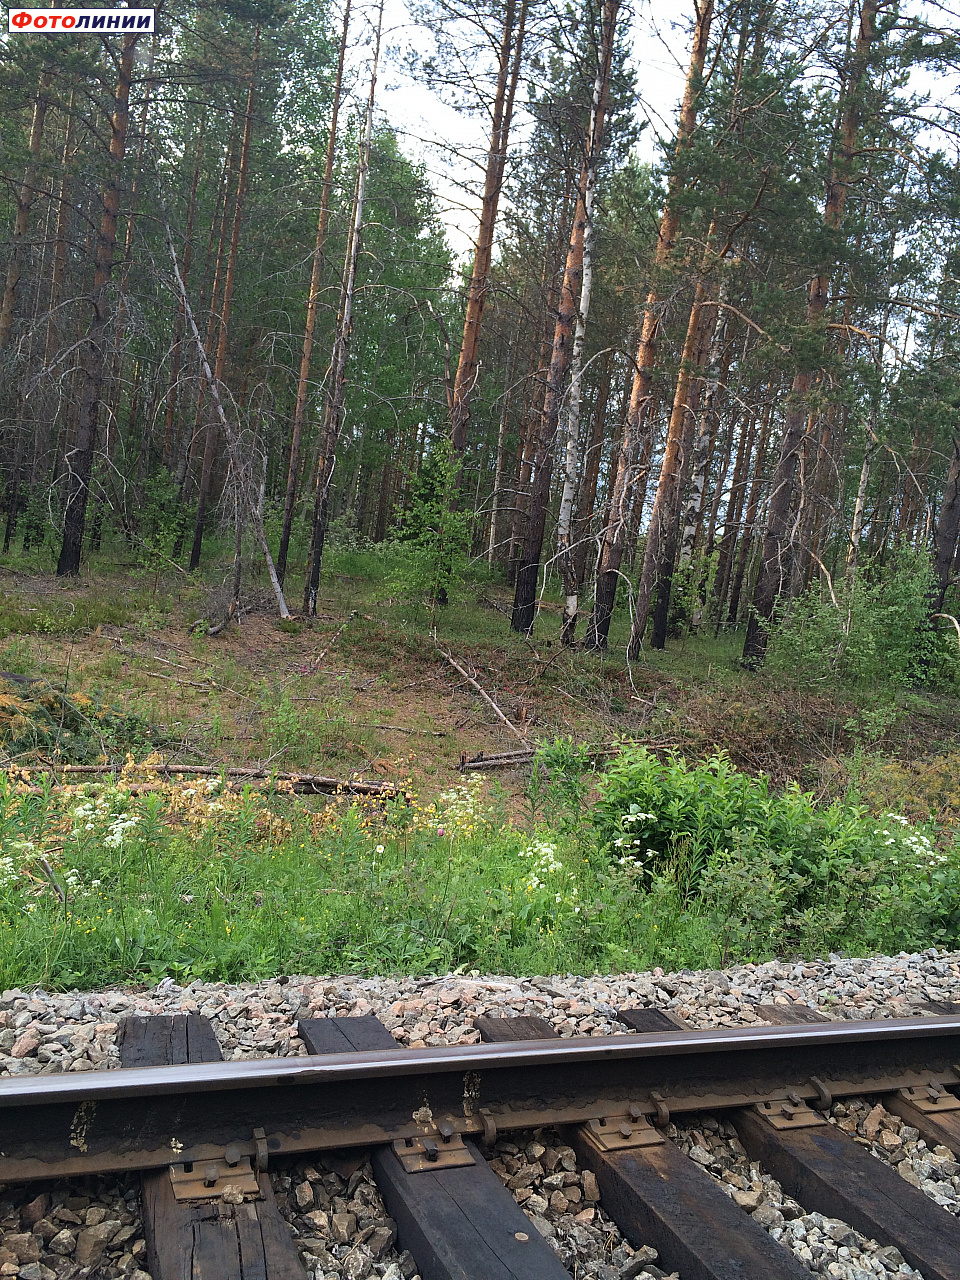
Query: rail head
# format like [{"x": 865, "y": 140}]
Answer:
[{"x": 753, "y": 1043}]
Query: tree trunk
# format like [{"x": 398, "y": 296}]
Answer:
[
  {"x": 774, "y": 571},
  {"x": 750, "y": 519},
  {"x": 210, "y": 441},
  {"x": 591, "y": 476},
  {"x": 948, "y": 528},
  {"x": 525, "y": 596},
  {"x": 25, "y": 199},
  {"x": 615, "y": 535},
  {"x": 656, "y": 577},
  {"x": 79, "y": 461},
  {"x": 501, "y": 457},
  {"x": 336, "y": 379},
  {"x": 565, "y": 524},
  {"x": 508, "y": 74},
  {"x": 303, "y": 382},
  {"x": 703, "y": 448},
  {"x": 859, "y": 506},
  {"x": 731, "y": 523}
]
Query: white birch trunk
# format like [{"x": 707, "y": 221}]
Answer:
[
  {"x": 698, "y": 479},
  {"x": 498, "y": 472},
  {"x": 859, "y": 506},
  {"x": 230, "y": 435},
  {"x": 571, "y": 456}
]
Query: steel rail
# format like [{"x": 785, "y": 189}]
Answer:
[
  {"x": 262, "y": 1073},
  {"x": 141, "y": 1118}
]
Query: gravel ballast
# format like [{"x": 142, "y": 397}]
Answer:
[{"x": 340, "y": 1224}]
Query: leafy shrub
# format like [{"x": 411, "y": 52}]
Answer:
[
  {"x": 875, "y": 634},
  {"x": 557, "y": 785},
  {"x": 647, "y": 808},
  {"x": 432, "y": 539},
  {"x": 646, "y": 805}
]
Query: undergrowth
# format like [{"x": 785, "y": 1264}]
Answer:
[{"x": 142, "y": 877}]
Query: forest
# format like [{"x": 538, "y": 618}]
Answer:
[{"x": 712, "y": 391}]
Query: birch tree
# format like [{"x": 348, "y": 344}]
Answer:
[
  {"x": 336, "y": 374},
  {"x": 569, "y": 310}
]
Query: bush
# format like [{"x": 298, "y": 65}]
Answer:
[
  {"x": 649, "y": 810},
  {"x": 877, "y": 634},
  {"x": 645, "y": 806},
  {"x": 134, "y": 878}
]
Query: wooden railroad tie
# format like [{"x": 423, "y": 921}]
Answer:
[
  {"x": 458, "y": 1221},
  {"x": 657, "y": 1195},
  {"x": 827, "y": 1172},
  {"x": 208, "y": 1238},
  {"x": 216, "y": 1218}
]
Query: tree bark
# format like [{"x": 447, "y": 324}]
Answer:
[
  {"x": 336, "y": 378},
  {"x": 79, "y": 461},
  {"x": 508, "y": 74},
  {"x": 774, "y": 572},
  {"x": 571, "y": 460},
  {"x": 948, "y": 528},
  {"x": 525, "y": 595},
  {"x": 25, "y": 199},
  {"x": 750, "y": 518},
  {"x": 614, "y": 539},
  {"x": 859, "y": 506},
  {"x": 501, "y": 457},
  {"x": 303, "y": 382},
  {"x": 734, "y": 512},
  {"x": 656, "y": 576},
  {"x": 591, "y": 476}
]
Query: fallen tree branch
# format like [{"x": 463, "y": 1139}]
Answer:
[
  {"x": 302, "y": 783},
  {"x": 950, "y": 618},
  {"x": 57, "y": 887},
  {"x": 230, "y": 435},
  {"x": 399, "y": 728},
  {"x": 502, "y": 761},
  {"x": 196, "y": 684},
  {"x": 486, "y": 697},
  {"x": 333, "y": 640}
]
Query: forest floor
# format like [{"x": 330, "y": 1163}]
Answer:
[
  {"x": 364, "y": 688},
  {"x": 137, "y": 878}
]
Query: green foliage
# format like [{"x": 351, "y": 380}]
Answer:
[
  {"x": 876, "y": 635},
  {"x": 714, "y": 816},
  {"x": 557, "y": 785},
  {"x": 645, "y": 806},
  {"x": 163, "y": 522},
  {"x": 191, "y": 880},
  {"x": 432, "y": 539}
]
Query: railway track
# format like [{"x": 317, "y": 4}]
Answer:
[{"x": 202, "y": 1134}]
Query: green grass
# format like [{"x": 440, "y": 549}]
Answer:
[{"x": 185, "y": 880}]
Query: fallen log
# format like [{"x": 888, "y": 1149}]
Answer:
[{"x": 300, "y": 783}]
